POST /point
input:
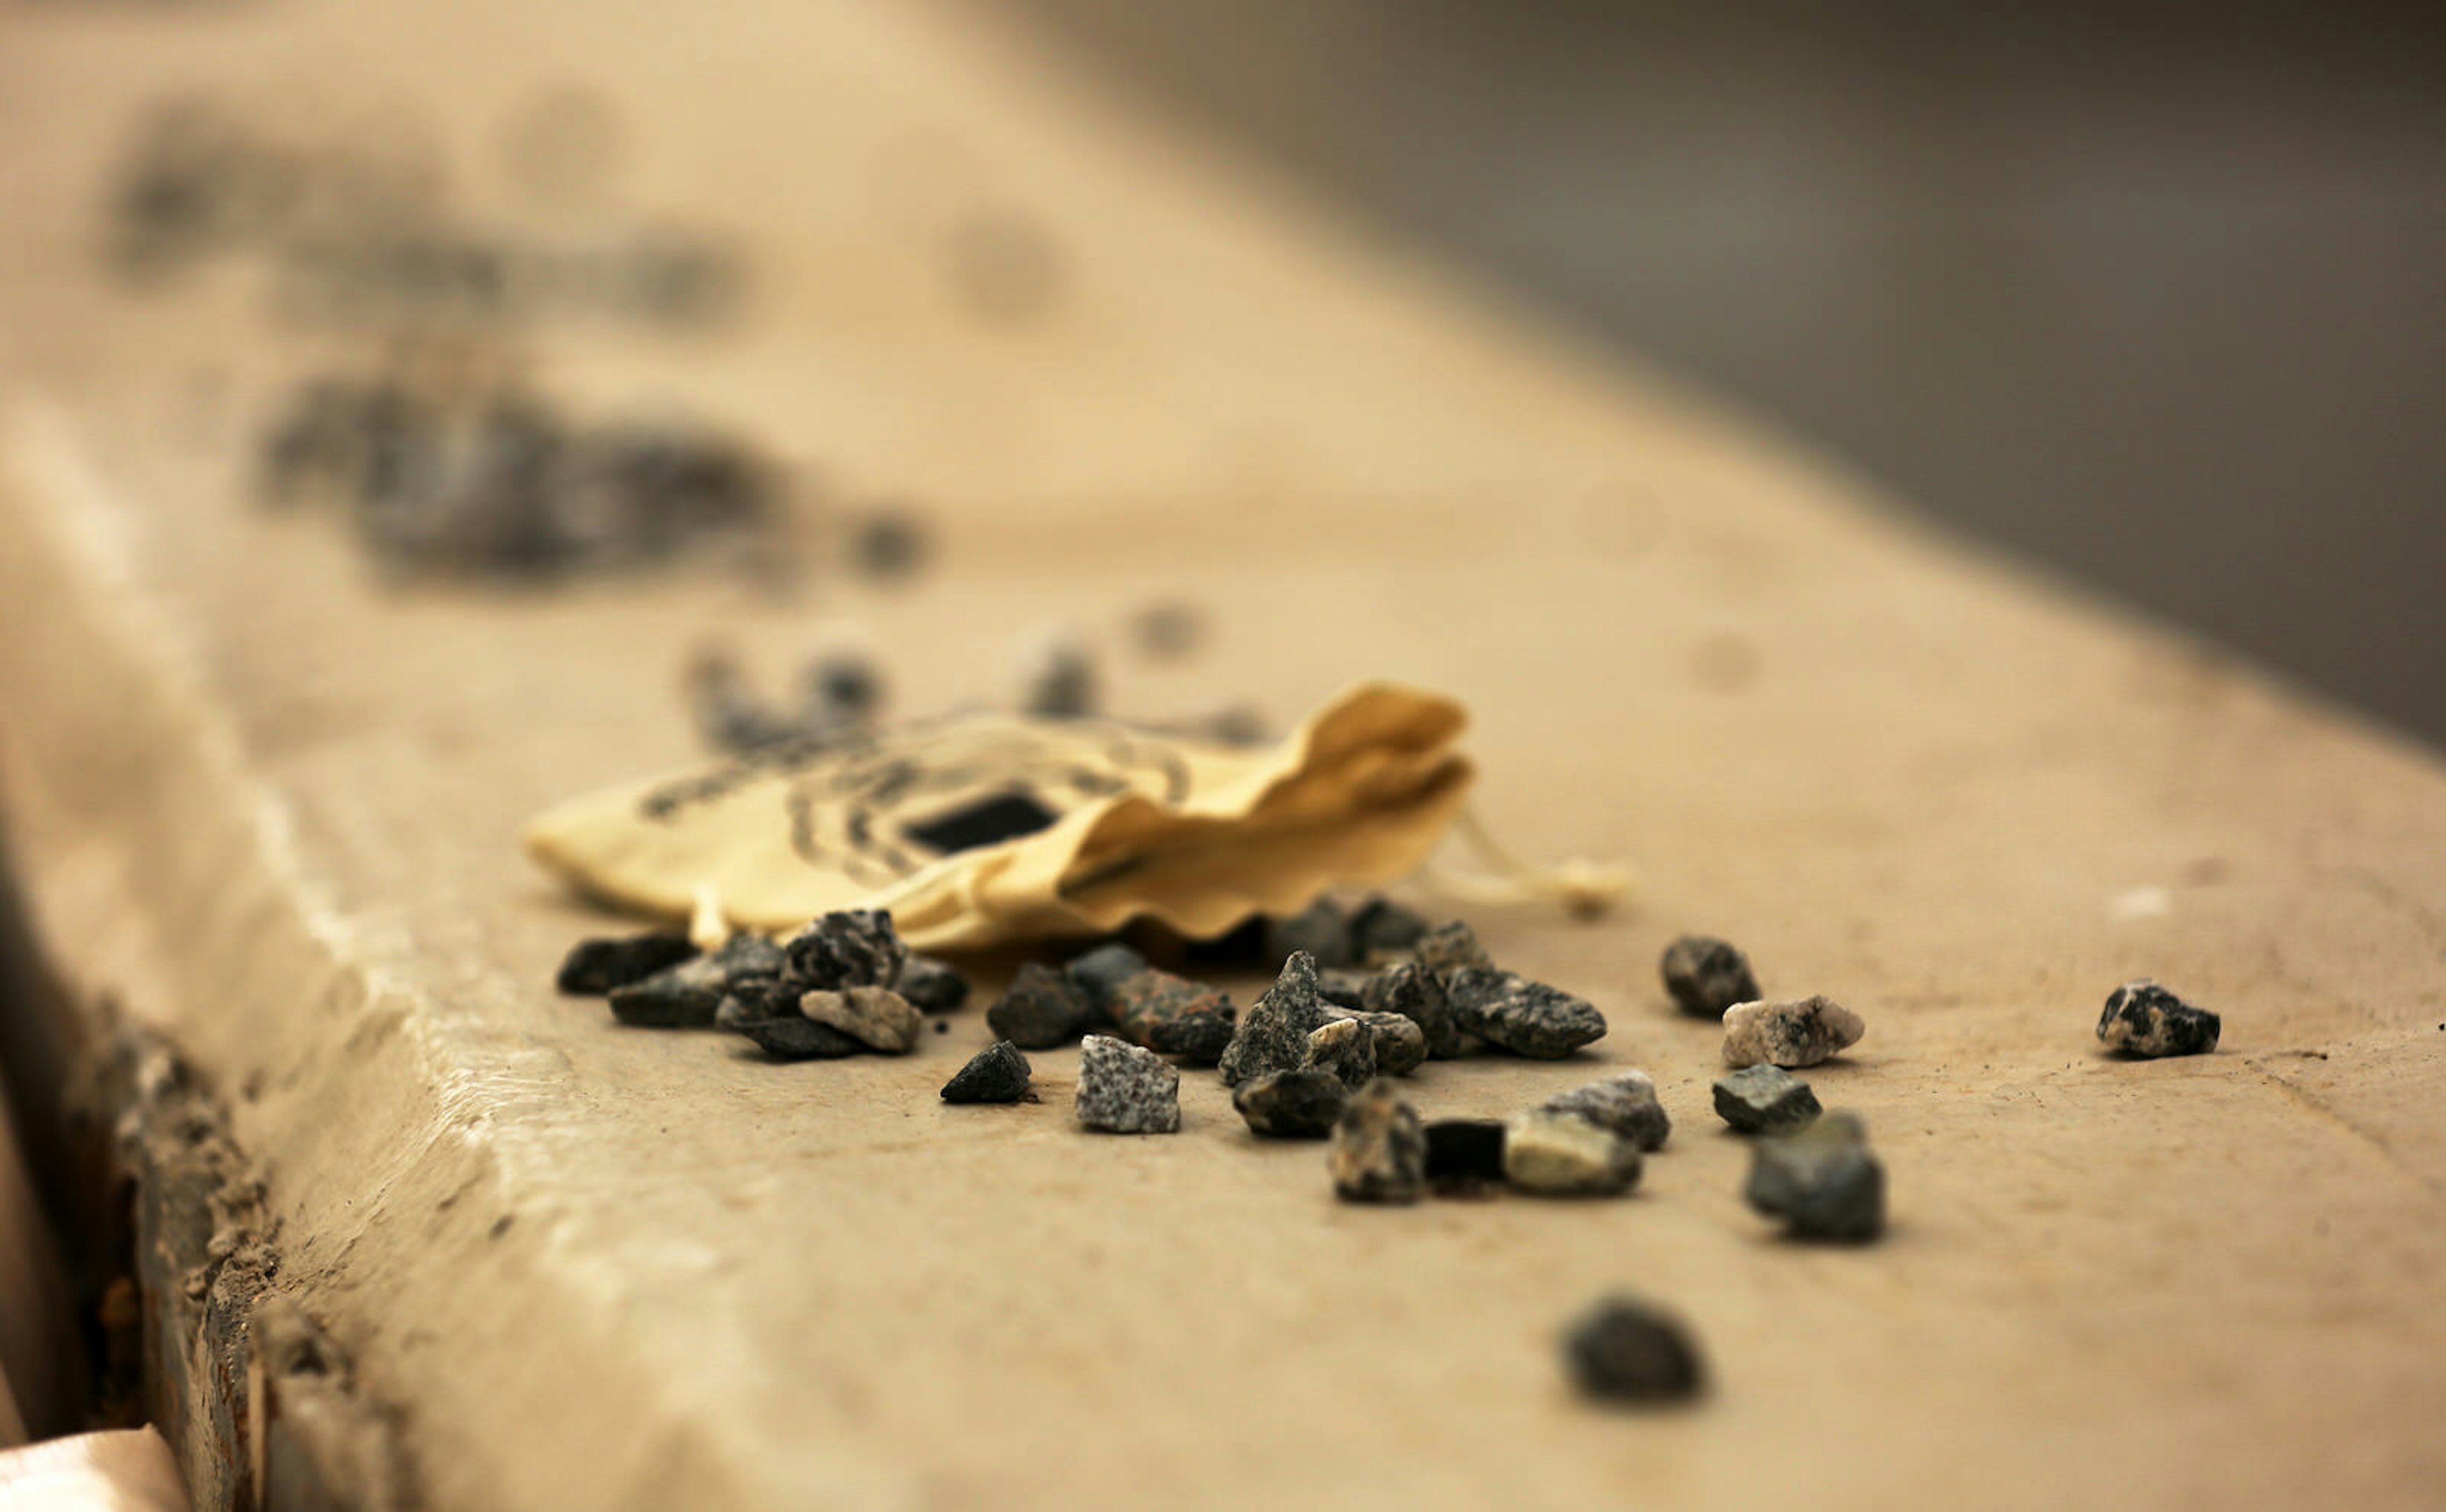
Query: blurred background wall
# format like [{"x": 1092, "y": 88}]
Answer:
[{"x": 2156, "y": 295}]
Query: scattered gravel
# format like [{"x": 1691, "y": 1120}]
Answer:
[
  {"x": 876, "y": 1016},
  {"x": 1789, "y": 1034},
  {"x": 1526, "y": 1017},
  {"x": 1291, "y": 1103},
  {"x": 1345, "y": 1049},
  {"x": 1626, "y": 1104},
  {"x": 1765, "y": 1100},
  {"x": 998, "y": 1075},
  {"x": 1125, "y": 1090},
  {"x": 1273, "y": 1034},
  {"x": 2143, "y": 1020},
  {"x": 1044, "y": 1008},
  {"x": 1564, "y": 1155},
  {"x": 1707, "y": 976},
  {"x": 1379, "y": 1152},
  {"x": 1624, "y": 1350},
  {"x": 1823, "y": 1181},
  {"x": 593, "y": 968}
]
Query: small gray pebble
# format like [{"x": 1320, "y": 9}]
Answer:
[
  {"x": 999, "y": 1073},
  {"x": 797, "y": 1038},
  {"x": 932, "y": 986},
  {"x": 1320, "y": 930},
  {"x": 1273, "y": 1034},
  {"x": 1707, "y": 976},
  {"x": 1821, "y": 1180},
  {"x": 1125, "y": 1089},
  {"x": 593, "y": 968},
  {"x": 1765, "y": 1100},
  {"x": 1044, "y": 1008},
  {"x": 2145, "y": 1021},
  {"x": 1410, "y": 989},
  {"x": 1624, "y": 1350},
  {"x": 1452, "y": 947},
  {"x": 1626, "y": 1104},
  {"x": 852, "y": 947},
  {"x": 1379, "y": 1152},
  {"x": 1526, "y": 1017},
  {"x": 682, "y": 996},
  {"x": 1100, "y": 972},
  {"x": 1291, "y": 1103},
  {"x": 1345, "y": 1048}
]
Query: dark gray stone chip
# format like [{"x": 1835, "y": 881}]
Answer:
[
  {"x": 1379, "y": 1152},
  {"x": 682, "y": 997},
  {"x": 1822, "y": 1181},
  {"x": 1100, "y": 972},
  {"x": 999, "y": 1073},
  {"x": 1273, "y": 1034},
  {"x": 593, "y": 968},
  {"x": 1624, "y": 1350},
  {"x": 1321, "y": 929},
  {"x": 2146, "y": 1021},
  {"x": 1198, "y": 1038},
  {"x": 1145, "y": 1003},
  {"x": 1410, "y": 989},
  {"x": 798, "y": 1039},
  {"x": 932, "y": 986},
  {"x": 1707, "y": 976},
  {"x": 1765, "y": 1100},
  {"x": 1125, "y": 1090},
  {"x": 1526, "y": 1017},
  {"x": 851, "y": 947},
  {"x": 1044, "y": 1008},
  {"x": 1291, "y": 1103}
]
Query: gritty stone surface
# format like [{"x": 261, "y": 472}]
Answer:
[
  {"x": 1125, "y": 1090},
  {"x": 871, "y": 1015},
  {"x": 931, "y": 986},
  {"x": 1319, "y": 929},
  {"x": 1379, "y": 1152},
  {"x": 1764, "y": 1100},
  {"x": 1345, "y": 1049},
  {"x": 1707, "y": 976},
  {"x": 1822, "y": 1181},
  {"x": 1789, "y": 1034},
  {"x": 1100, "y": 973},
  {"x": 1410, "y": 989},
  {"x": 1196, "y": 1038},
  {"x": 852, "y": 947},
  {"x": 682, "y": 996},
  {"x": 1401, "y": 1045},
  {"x": 1273, "y": 1034},
  {"x": 1453, "y": 947},
  {"x": 1564, "y": 1155},
  {"x": 1382, "y": 931},
  {"x": 999, "y": 1073},
  {"x": 1291, "y": 1103},
  {"x": 2144, "y": 1019},
  {"x": 754, "y": 998},
  {"x": 1624, "y": 1350},
  {"x": 1526, "y": 1017},
  {"x": 1464, "y": 1152},
  {"x": 797, "y": 1038},
  {"x": 1150, "y": 1000},
  {"x": 1626, "y": 1104},
  {"x": 593, "y": 968},
  {"x": 1044, "y": 1008}
]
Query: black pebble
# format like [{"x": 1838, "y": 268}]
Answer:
[
  {"x": 1465, "y": 1151},
  {"x": 932, "y": 986},
  {"x": 1707, "y": 976},
  {"x": 798, "y": 1038},
  {"x": 1100, "y": 973},
  {"x": 1198, "y": 1038},
  {"x": 1042, "y": 1009},
  {"x": 998, "y": 1075},
  {"x": 594, "y": 967},
  {"x": 1624, "y": 1350}
]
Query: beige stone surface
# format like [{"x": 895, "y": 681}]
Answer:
[{"x": 275, "y": 810}]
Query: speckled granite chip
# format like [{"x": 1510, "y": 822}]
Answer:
[
  {"x": 1526, "y": 1017},
  {"x": 1379, "y": 1152},
  {"x": 1626, "y": 1104},
  {"x": 1273, "y": 1034},
  {"x": 1125, "y": 1090},
  {"x": 2145, "y": 1021},
  {"x": 1789, "y": 1034},
  {"x": 1764, "y": 1100}
]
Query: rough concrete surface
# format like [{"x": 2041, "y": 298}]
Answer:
[{"x": 275, "y": 808}]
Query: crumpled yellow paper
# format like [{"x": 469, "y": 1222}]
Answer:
[{"x": 983, "y": 828}]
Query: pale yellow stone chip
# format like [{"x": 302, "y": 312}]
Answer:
[{"x": 981, "y": 828}]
